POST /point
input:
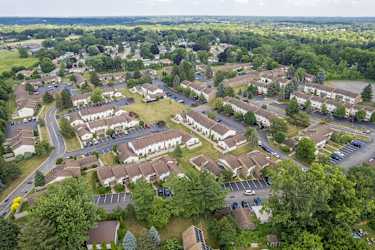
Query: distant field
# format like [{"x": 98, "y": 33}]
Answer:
[{"x": 9, "y": 59}]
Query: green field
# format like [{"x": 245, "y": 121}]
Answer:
[{"x": 9, "y": 59}]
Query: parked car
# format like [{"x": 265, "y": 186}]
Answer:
[
  {"x": 258, "y": 201},
  {"x": 235, "y": 205},
  {"x": 341, "y": 154},
  {"x": 244, "y": 204},
  {"x": 336, "y": 157},
  {"x": 249, "y": 192},
  {"x": 358, "y": 144}
]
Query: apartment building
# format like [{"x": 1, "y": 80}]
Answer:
[
  {"x": 151, "y": 171},
  {"x": 332, "y": 93},
  {"x": 200, "y": 89},
  {"x": 27, "y": 104},
  {"x": 155, "y": 144},
  {"x": 21, "y": 141},
  {"x": 150, "y": 92},
  {"x": 263, "y": 117}
]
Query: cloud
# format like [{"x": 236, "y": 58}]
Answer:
[{"x": 242, "y": 1}]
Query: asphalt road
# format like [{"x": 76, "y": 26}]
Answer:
[{"x": 59, "y": 148}]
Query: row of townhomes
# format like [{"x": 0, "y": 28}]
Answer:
[
  {"x": 325, "y": 104},
  {"x": 263, "y": 80},
  {"x": 151, "y": 171},
  {"x": 245, "y": 165},
  {"x": 71, "y": 168},
  {"x": 36, "y": 83},
  {"x": 150, "y": 92},
  {"x": 109, "y": 78},
  {"x": 84, "y": 99},
  {"x": 263, "y": 117},
  {"x": 27, "y": 104},
  {"x": 319, "y": 134},
  {"x": 332, "y": 93},
  {"x": 155, "y": 144},
  {"x": 21, "y": 141},
  {"x": 200, "y": 89},
  {"x": 226, "y": 138},
  {"x": 96, "y": 121}
]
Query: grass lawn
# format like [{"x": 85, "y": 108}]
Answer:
[
  {"x": 26, "y": 167},
  {"x": 72, "y": 144},
  {"x": 161, "y": 110},
  {"x": 292, "y": 130},
  {"x": 206, "y": 148},
  {"x": 9, "y": 59},
  {"x": 107, "y": 158},
  {"x": 43, "y": 129}
]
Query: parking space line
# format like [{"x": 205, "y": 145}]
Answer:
[
  {"x": 247, "y": 185},
  {"x": 238, "y": 188},
  {"x": 250, "y": 184},
  {"x": 256, "y": 187}
]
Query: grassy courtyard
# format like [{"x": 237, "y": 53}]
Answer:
[
  {"x": 9, "y": 59},
  {"x": 72, "y": 144},
  {"x": 152, "y": 112}
]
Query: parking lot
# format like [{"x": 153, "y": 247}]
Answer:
[
  {"x": 13, "y": 125},
  {"x": 112, "y": 201},
  {"x": 344, "y": 152},
  {"x": 246, "y": 185}
]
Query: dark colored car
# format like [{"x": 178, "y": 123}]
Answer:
[
  {"x": 358, "y": 144},
  {"x": 235, "y": 205}
]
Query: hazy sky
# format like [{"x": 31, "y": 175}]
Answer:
[{"x": 187, "y": 7}]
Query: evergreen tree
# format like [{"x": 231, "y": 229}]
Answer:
[
  {"x": 250, "y": 118},
  {"x": 130, "y": 242},
  {"x": 367, "y": 93},
  {"x": 38, "y": 234},
  {"x": 220, "y": 90},
  {"x": 39, "y": 179},
  {"x": 209, "y": 72},
  {"x": 8, "y": 235},
  {"x": 292, "y": 108},
  {"x": 252, "y": 136}
]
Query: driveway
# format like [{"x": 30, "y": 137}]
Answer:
[{"x": 174, "y": 94}]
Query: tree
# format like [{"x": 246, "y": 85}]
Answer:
[
  {"x": 38, "y": 234},
  {"x": 324, "y": 109},
  {"x": 23, "y": 53},
  {"x": 317, "y": 201},
  {"x": 195, "y": 194},
  {"x": 209, "y": 72},
  {"x": 176, "y": 80},
  {"x": 29, "y": 88},
  {"x": 218, "y": 104},
  {"x": 340, "y": 111},
  {"x": 307, "y": 241},
  {"x": 307, "y": 106},
  {"x": 228, "y": 110},
  {"x": 143, "y": 196},
  {"x": 94, "y": 79},
  {"x": 252, "y": 136},
  {"x": 177, "y": 152},
  {"x": 130, "y": 242},
  {"x": 224, "y": 231},
  {"x": 154, "y": 236},
  {"x": 278, "y": 125},
  {"x": 66, "y": 129},
  {"x": 160, "y": 213},
  {"x": 97, "y": 95},
  {"x": 39, "y": 179},
  {"x": 43, "y": 148},
  {"x": 360, "y": 115},
  {"x": 250, "y": 118},
  {"x": 279, "y": 137},
  {"x": 171, "y": 244},
  {"x": 8, "y": 235},
  {"x": 68, "y": 207},
  {"x": 47, "y": 98},
  {"x": 220, "y": 90},
  {"x": 320, "y": 77},
  {"x": 46, "y": 65},
  {"x": 65, "y": 100},
  {"x": 305, "y": 150},
  {"x": 372, "y": 118},
  {"x": 367, "y": 93},
  {"x": 292, "y": 107}
]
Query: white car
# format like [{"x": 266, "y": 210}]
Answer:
[
  {"x": 249, "y": 192},
  {"x": 276, "y": 155}
]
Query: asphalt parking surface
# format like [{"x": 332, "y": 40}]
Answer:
[
  {"x": 246, "y": 185},
  {"x": 110, "y": 202},
  {"x": 347, "y": 150}
]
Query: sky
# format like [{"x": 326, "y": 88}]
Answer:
[{"x": 79, "y": 8}]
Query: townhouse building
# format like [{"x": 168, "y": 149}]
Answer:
[
  {"x": 318, "y": 103},
  {"x": 205, "y": 163},
  {"x": 155, "y": 144},
  {"x": 263, "y": 117},
  {"x": 151, "y": 171},
  {"x": 246, "y": 165},
  {"x": 150, "y": 92},
  {"x": 193, "y": 239},
  {"x": 200, "y": 89},
  {"x": 99, "y": 112},
  {"x": 208, "y": 127},
  {"x": 21, "y": 141},
  {"x": 26, "y": 104},
  {"x": 81, "y": 99},
  {"x": 333, "y": 93}
]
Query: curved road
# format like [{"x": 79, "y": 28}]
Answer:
[{"x": 59, "y": 149}]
